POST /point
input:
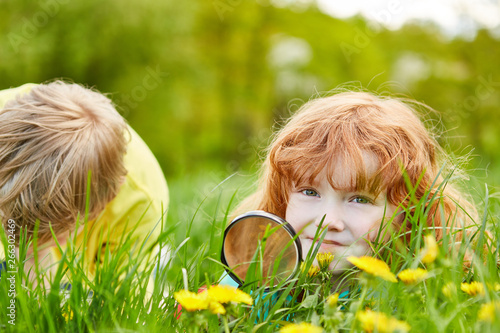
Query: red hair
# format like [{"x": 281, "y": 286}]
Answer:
[{"x": 342, "y": 128}]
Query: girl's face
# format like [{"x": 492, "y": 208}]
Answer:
[{"x": 351, "y": 217}]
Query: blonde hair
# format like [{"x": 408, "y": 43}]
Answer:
[
  {"x": 50, "y": 139},
  {"x": 340, "y": 129}
]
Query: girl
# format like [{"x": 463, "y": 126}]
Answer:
[{"x": 344, "y": 159}]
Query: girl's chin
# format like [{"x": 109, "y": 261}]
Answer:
[{"x": 340, "y": 267}]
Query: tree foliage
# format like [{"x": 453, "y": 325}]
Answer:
[{"x": 204, "y": 82}]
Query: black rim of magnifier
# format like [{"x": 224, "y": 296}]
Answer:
[{"x": 269, "y": 216}]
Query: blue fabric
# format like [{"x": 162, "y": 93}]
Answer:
[
  {"x": 66, "y": 286},
  {"x": 3, "y": 267},
  {"x": 226, "y": 280}
]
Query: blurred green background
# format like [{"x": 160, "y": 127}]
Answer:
[{"x": 205, "y": 82}]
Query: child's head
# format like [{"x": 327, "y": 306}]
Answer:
[
  {"x": 344, "y": 156},
  {"x": 50, "y": 139}
]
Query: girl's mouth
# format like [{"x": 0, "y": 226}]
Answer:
[
  {"x": 326, "y": 242},
  {"x": 331, "y": 242}
]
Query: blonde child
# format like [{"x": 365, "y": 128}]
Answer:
[
  {"x": 344, "y": 158},
  {"x": 52, "y": 137}
]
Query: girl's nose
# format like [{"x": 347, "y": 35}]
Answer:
[{"x": 334, "y": 220}]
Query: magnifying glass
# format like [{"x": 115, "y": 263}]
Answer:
[{"x": 260, "y": 247}]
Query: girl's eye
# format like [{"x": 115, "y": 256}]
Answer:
[
  {"x": 361, "y": 200},
  {"x": 310, "y": 193}
]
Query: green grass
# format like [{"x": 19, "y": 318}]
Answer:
[{"x": 117, "y": 301}]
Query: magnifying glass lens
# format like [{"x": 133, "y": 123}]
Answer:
[{"x": 261, "y": 246}]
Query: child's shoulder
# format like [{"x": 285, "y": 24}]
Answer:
[{"x": 143, "y": 168}]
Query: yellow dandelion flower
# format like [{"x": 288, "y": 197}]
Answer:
[
  {"x": 68, "y": 315},
  {"x": 324, "y": 259},
  {"x": 374, "y": 267},
  {"x": 312, "y": 272},
  {"x": 301, "y": 328},
  {"x": 488, "y": 310},
  {"x": 413, "y": 276},
  {"x": 372, "y": 321},
  {"x": 191, "y": 301},
  {"x": 226, "y": 294},
  {"x": 216, "y": 308},
  {"x": 430, "y": 251},
  {"x": 495, "y": 286},
  {"x": 332, "y": 300},
  {"x": 449, "y": 289},
  {"x": 474, "y": 288}
]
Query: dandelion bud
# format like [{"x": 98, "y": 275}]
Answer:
[
  {"x": 449, "y": 290},
  {"x": 473, "y": 289},
  {"x": 332, "y": 300},
  {"x": 487, "y": 311},
  {"x": 413, "y": 276},
  {"x": 430, "y": 250},
  {"x": 324, "y": 260}
]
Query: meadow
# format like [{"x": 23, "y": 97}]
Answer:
[
  {"x": 204, "y": 87},
  {"x": 425, "y": 288}
]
